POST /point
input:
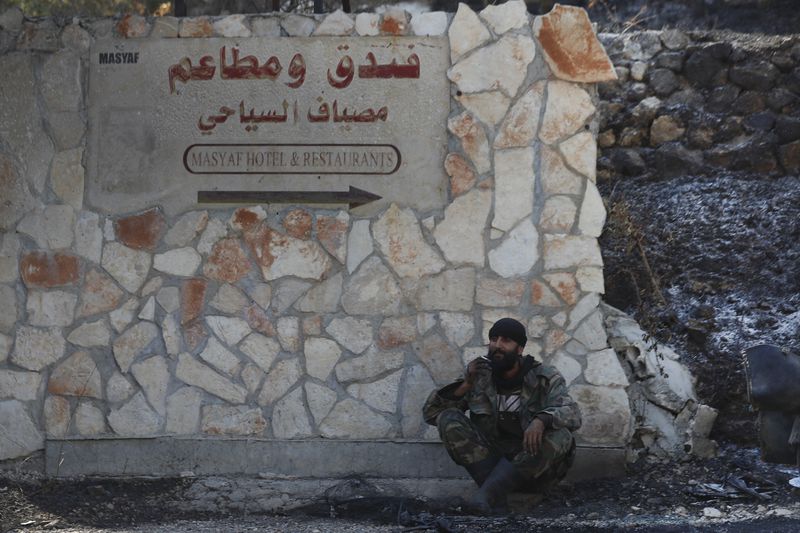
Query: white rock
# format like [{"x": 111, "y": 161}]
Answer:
[
  {"x": 152, "y": 285},
  {"x": 76, "y": 376},
  {"x": 36, "y": 348},
  {"x": 279, "y": 380},
  {"x": 229, "y": 299},
  {"x": 452, "y": 290},
  {"x": 171, "y": 333},
  {"x": 590, "y": 279},
  {"x": 220, "y": 357},
  {"x": 178, "y": 262},
  {"x": 522, "y": 123},
  {"x": 513, "y": 196},
  {"x": 289, "y": 333},
  {"x": 556, "y": 178},
  {"x": 593, "y": 212},
  {"x": 380, "y": 394},
  {"x": 88, "y": 236},
  {"x": 466, "y": 33},
  {"x": 585, "y": 305},
  {"x": 135, "y": 418},
  {"x": 350, "y": 419},
  {"x": 228, "y": 329},
  {"x": 359, "y": 244},
  {"x": 120, "y": 318},
  {"x": 89, "y": 420},
  {"x": 566, "y": 365},
  {"x": 591, "y": 333},
  {"x": 367, "y": 24},
  {"x": 368, "y": 366},
  {"x": 580, "y": 153},
  {"x": 568, "y": 108},
  {"x": 430, "y": 23},
  {"x": 148, "y": 311},
  {"x": 425, "y": 321},
  {"x": 118, "y": 389},
  {"x": 324, "y": 298},
  {"x": 298, "y": 26},
  {"x": 418, "y": 385},
  {"x": 372, "y": 290},
  {"x": 51, "y": 227},
  {"x": 25, "y": 438},
  {"x": 502, "y": 66},
  {"x": 66, "y": 177},
  {"x": 321, "y": 400},
  {"x": 261, "y": 350},
  {"x": 289, "y": 417},
  {"x": 321, "y": 356},
  {"x": 518, "y": 252},
  {"x": 459, "y": 328},
  {"x": 8, "y": 302},
  {"x": 287, "y": 293},
  {"x": 186, "y": 228},
  {"x": 5, "y": 347},
  {"x": 261, "y": 293},
  {"x": 354, "y": 334},
  {"x": 215, "y": 230},
  {"x": 460, "y": 234},
  {"x": 537, "y": 326},
  {"x": 57, "y": 416},
  {"x": 126, "y": 265},
  {"x": 558, "y": 215},
  {"x": 133, "y": 342},
  {"x": 252, "y": 376},
  {"x": 562, "y": 252},
  {"x": 51, "y": 308},
  {"x": 232, "y": 420},
  {"x": 605, "y": 413},
  {"x": 337, "y": 23},
  {"x": 400, "y": 239},
  {"x": 183, "y": 411},
  {"x": 441, "y": 360},
  {"x": 169, "y": 299},
  {"x": 232, "y": 26},
  {"x": 489, "y": 107},
  {"x": 192, "y": 372},
  {"x": 559, "y": 319},
  {"x": 507, "y": 16},
  {"x": 603, "y": 368},
  {"x": 712, "y": 512},
  {"x": 9, "y": 257},
  {"x": 23, "y": 386}
]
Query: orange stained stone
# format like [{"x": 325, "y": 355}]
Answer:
[
  {"x": 245, "y": 218},
  {"x": 193, "y": 295},
  {"x": 99, "y": 294},
  {"x": 142, "y": 231},
  {"x": 570, "y": 46},
  {"x": 42, "y": 269},
  {"x": 194, "y": 334},
  {"x": 259, "y": 321},
  {"x": 331, "y": 234},
  {"x": 462, "y": 177},
  {"x": 227, "y": 261},
  {"x": 298, "y": 223}
]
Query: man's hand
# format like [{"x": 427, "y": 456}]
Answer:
[
  {"x": 475, "y": 367},
  {"x": 532, "y": 439}
]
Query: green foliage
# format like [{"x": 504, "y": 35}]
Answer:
[{"x": 94, "y": 8}]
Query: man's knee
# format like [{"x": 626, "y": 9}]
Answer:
[{"x": 554, "y": 455}]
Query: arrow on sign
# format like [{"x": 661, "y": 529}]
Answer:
[{"x": 354, "y": 197}]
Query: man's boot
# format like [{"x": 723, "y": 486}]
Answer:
[
  {"x": 480, "y": 471},
  {"x": 492, "y": 496}
]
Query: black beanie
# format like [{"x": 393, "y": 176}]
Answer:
[{"x": 509, "y": 328}]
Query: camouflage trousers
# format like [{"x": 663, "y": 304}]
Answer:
[{"x": 467, "y": 444}]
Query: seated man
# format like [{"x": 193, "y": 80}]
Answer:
[{"x": 518, "y": 434}]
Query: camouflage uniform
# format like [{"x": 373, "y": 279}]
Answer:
[{"x": 471, "y": 440}]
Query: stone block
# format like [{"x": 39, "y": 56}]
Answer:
[
  {"x": 179, "y": 262},
  {"x": 460, "y": 234},
  {"x": 418, "y": 385},
  {"x": 50, "y": 227},
  {"x": 332, "y": 234},
  {"x": 441, "y": 360},
  {"x": 57, "y": 416},
  {"x": 134, "y": 342},
  {"x": 381, "y": 394},
  {"x": 289, "y": 417},
  {"x": 372, "y": 290},
  {"x": 518, "y": 252},
  {"x": 22, "y": 386},
  {"x": 352, "y": 333},
  {"x": 603, "y": 369},
  {"x": 504, "y": 17},
  {"x": 324, "y": 298},
  {"x": 298, "y": 26},
  {"x": 452, "y": 290},
  {"x": 352, "y": 419},
  {"x": 25, "y": 439},
  {"x": 232, "y": 26},
  {"x": 394, "y": 22},
  {"x": 366, "y": 24},
  {"x": 192, "y": 372},
  {"x": 232, "y": 420},
  {"x": 279, "y": 381},
  {"x": 489, "y": 107},
  {"x": 129, "y": 267},
  {"x": 66, "y": 177},
  {"x": 466, "y": 33},
  {"x": 88, "y": 236},
  {"x": 430, "y": 23},
  {"x": 501, "y": 65},
  {"x": 142, "y": 231},
  {"x": 337, "y": 23},
  {"x": 473, "y": 140},
  {"x": 135, "y": 418},
  {"x": 183, "y": 411},
  {"x": 281, "y": 255},
  {"x": 220, "y": 358},
  {"x": 89, "y": 420},
  {"x": 91, "y": 334},
  {"x": 605, "y": 413},
  {"x": 395, "y": 332},
  {"x": 514, "y": 180},
  {"x": 558, "y": 215},
  {"x": 368, "y": 366},
  {"x": 321, "y": 356}
]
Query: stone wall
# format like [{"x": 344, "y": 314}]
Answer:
[
  {"x": 695, "y": 103},
  {"x": 291, "y": 322}
]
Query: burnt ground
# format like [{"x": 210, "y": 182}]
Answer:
[
  {"x": 710, "y": 265},
  {"x": 690, "y": 496}
]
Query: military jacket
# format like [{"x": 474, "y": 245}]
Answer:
[{"x": 544, "y": 390}]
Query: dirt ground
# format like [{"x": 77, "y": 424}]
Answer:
[{"x": 696, "y": 495}]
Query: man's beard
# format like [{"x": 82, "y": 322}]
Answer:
[{"x": 504, "y": 364}]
